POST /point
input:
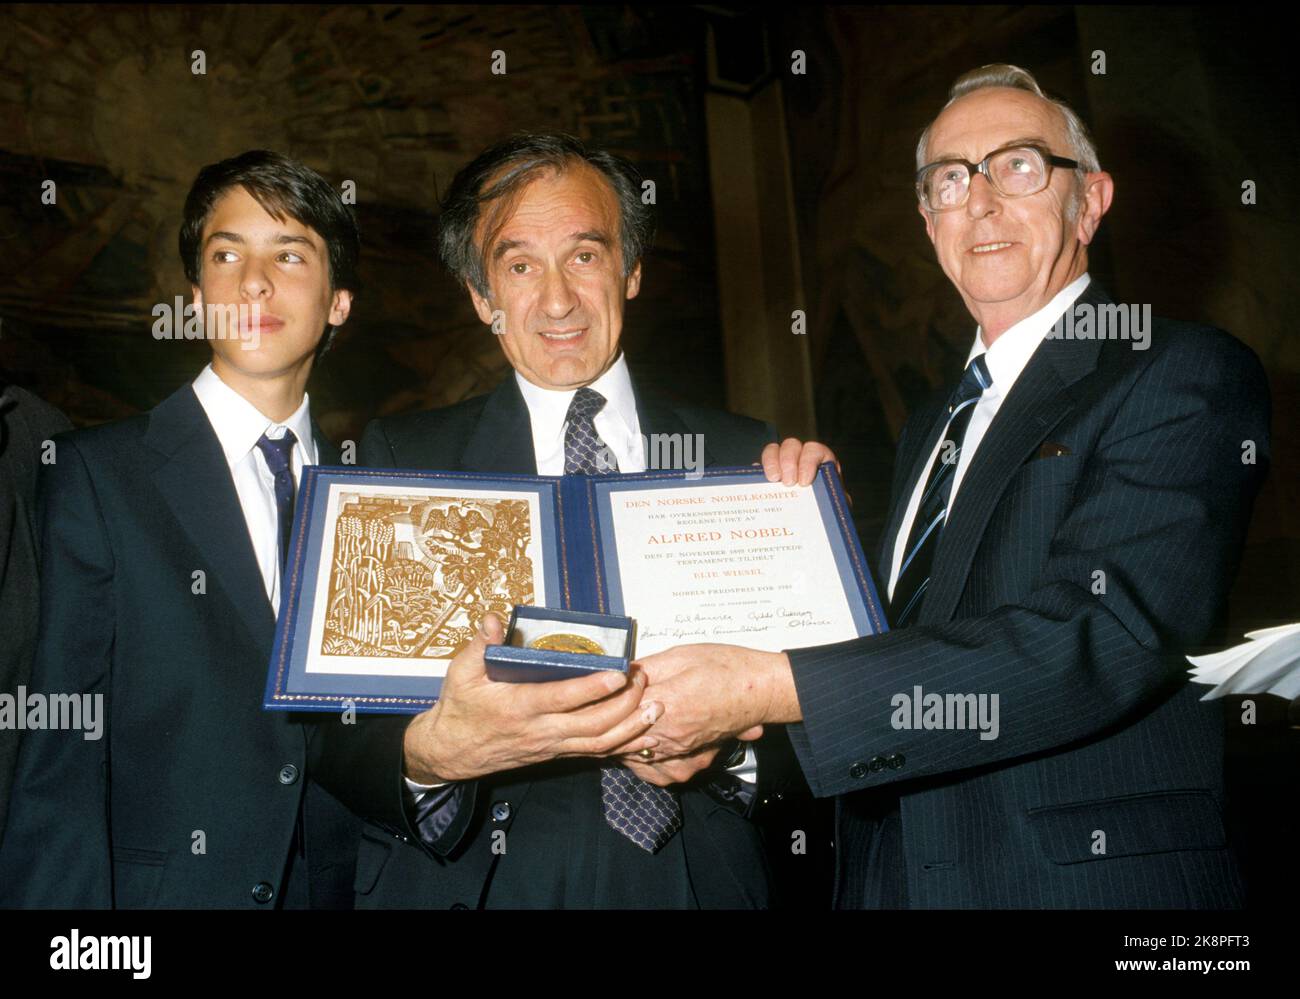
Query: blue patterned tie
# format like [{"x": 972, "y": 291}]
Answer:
[
  {"x": 278, "y": 455},
  {"x": 647, "y": 815},
  {"x": 932, "y": 513}
]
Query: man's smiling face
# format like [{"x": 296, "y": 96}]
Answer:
[
  {"x": 555, "y": 268},
  {"x": 251, "y": 259},
  {"x": 1008, "y": 257}
]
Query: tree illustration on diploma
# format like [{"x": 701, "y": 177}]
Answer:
[{"x": 484, "y": 565}]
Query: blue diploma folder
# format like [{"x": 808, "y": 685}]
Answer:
[{"x": 362, "y": 637}]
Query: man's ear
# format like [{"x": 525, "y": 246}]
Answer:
[
  {"x": 1098, "y": 192},
  {"x": 197, "y": 297},
  {"x": 929, "y": 220},
  {"x": 481, "y": 305},
  {"x": 340, "y": 308},
  {"x": 634, "y": 282}
]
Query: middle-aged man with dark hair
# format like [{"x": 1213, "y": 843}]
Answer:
[
  {"x": 511, "y": 808},
  {"x": 164, "y": 537},
  {"x": 1060, "y": 531}
]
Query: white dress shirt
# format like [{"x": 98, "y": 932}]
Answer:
[
  {"x": 239, "y": 425},
  {"x": 1005, "y": 359},
  {"x": 616, "y": 423}
]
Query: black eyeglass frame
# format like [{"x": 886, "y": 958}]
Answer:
[{"x": 1049, "y": 158}]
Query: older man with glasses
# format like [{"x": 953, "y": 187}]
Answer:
[{"x": 1063, "y": 525}]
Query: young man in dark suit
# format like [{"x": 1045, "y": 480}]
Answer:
[
  {"x": 1062, "y": 531},
  {"x": 517, "y": 803},
  {"x": 164, "y": 537}
]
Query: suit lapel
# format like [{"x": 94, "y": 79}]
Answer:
[
  {"x": 195, "y": 481},
  {"x": 657, "y": 416},
  {"x": 326, "y": 452},
  {"x": 1039, "y": 400},
  {"x": 502, "y": 440}
]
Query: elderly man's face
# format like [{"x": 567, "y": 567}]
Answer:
[
  {"x": 555, "y": 269},
  {"x": 1009, "y": 256}
]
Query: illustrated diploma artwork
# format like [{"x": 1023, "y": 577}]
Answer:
[
  {"x": 390, "y": 572},
  {"x": 411, "y": 574}
]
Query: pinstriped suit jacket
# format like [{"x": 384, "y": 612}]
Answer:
[{"x": 1069, "y": 586}]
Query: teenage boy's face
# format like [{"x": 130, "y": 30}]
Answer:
[{"x": 250, "y": 259}]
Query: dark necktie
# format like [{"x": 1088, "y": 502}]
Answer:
[
  {"x": 647, "y": 815},
  {"x": 279, "y": 459},
  {"x": 932, "y": 513}
]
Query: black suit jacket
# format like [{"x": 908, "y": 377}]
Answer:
[
  {"x": 1068, "y": 585},
  {"x": 191, "y": 797},
  {"x": 559, "y": 852},
  {"x": 25, "y": 424}
]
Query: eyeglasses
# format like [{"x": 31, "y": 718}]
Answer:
[{"x": 1013, "y": 171}]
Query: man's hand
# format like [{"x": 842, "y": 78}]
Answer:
[
  {"x": 708, "y": 693},
  {"x": 480, "y": 726},
  {"x": 672, "y": 770},
  {"x": 794, "y": 462},
  {"x": 679, "y": 769}
]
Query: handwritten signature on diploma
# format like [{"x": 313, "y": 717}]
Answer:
[{"x": 697, "y": 625}]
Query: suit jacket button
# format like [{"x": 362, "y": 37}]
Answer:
[
  {"x": 877, "y": 764},
  {"x": 858, "y": 771},
  {"x": 895, "y": 760},
  {"x": 500, "y": 811},
  {"x": 262, "y": 893},
  {"x": 288, "y": 774}
]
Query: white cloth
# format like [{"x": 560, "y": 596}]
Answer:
[
  {"x": 239, "y": 425},
  {"x": 1006, "y": 359}
]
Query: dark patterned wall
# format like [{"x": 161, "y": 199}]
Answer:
[{"x": 394, "y": 98}]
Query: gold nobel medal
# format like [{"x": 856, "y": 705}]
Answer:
[{"x": 564, "y": 642}]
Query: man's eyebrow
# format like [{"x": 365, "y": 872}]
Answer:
[
  {"x": 280, "y": 240},
  {"x": 505, "y": 246},
  {"x": 1026, "y": 140}
]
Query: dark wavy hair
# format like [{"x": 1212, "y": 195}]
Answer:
[
  {"x": 512, "y": 164},
  {"x": 283, "y": 187}
]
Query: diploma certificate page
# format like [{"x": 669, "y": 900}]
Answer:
[{"x": 744, "y": 564}]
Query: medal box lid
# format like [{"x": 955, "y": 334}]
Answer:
[{"x": 520, "y": 659}]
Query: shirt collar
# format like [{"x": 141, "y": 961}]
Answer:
[
  {"x": 1013, "y": 349},
  {"x": 548, "y": 408},
  {"x": 239, "y": 424}
]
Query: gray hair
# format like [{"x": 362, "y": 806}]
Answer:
[
  {"x": 502, "y": 170},
  {"x": 1001, "y": 74}
]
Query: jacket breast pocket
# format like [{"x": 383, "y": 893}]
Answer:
[
  {"x": 1127, "y": 826},
  {"x": 1045, "y": 473},
  {"x": 137, "y": 877}
]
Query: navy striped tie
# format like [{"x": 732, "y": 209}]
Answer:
[
  {"x": 932, "y": 512},
  {"x": 278, "y": 455},
  {"x": 646, "y": 814}
]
